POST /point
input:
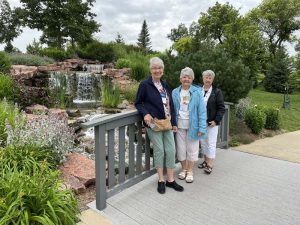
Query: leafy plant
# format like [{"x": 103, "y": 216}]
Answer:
[
  {"x": 255, "y": 119},
  {"x": 122, "y": 63},
  {"x": 48, "y": 131},
  {"x": 243, "y": 105},
  {"x": 139, "y": 65},
  {"x": 5, "y": 62},
  {"x": 24, "y": 158},
  {"x": 97, "y": 51},
  {"x": 8, "y": 113},
  {"x": 130, "y": 92},
  {"x": 56, "y": 53},
  {"x": 8, "y": 89},
  {"x": 272, "y": 118},
  {"x": 30, "y": 60},
  {"x": 58, "y": 90},
  {"x": 110, "y": 93},
  {"x": 34, "y": 199}
]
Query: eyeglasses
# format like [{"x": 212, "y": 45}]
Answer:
[{"x": 156, "y": 68}]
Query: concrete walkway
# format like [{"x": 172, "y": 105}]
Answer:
[
  {"x": 242, "y": 189},
  {"x": 285, "y": 147}
]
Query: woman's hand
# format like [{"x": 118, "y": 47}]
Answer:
[
  {"x": 174, "y": 128},
  {"x": 200, "y": 134},
  {"x": 148, "y": 118},
  {"x": 212, "y": 123}
]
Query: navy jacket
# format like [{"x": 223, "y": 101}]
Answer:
[
  {"x": 148, "y": 100},
  {"x": 215, "y": 106}
]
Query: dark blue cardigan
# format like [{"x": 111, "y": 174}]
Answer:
[{"x": 148, "y": 100}]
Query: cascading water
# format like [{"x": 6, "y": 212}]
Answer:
[
  {"x": 93, "y": 68},
  {"x": 84, "y": 87},
  {"x": 88, "y": 88}
]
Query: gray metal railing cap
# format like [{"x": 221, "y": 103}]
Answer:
[{"x": 109, "y": 118}]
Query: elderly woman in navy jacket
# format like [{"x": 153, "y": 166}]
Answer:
[
  {"x": 154, "y": 100},
  {"x": 191, "y": 119},
  {"x": 215, "y": 110}
]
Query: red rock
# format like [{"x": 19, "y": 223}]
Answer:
[
  {"x": 36, "y": 109},
  {"x": 80, "y": 167},
  {"x": 74, "y": 184}
]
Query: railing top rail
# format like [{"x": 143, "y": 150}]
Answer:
[{"x": 109, "y": 118}]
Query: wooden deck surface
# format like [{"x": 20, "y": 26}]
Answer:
[{"x": 242, "y": 189}]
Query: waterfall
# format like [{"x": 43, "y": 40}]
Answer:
[
  {"x": 88, "y": 87},
  {"x": 93, "y": 68}
]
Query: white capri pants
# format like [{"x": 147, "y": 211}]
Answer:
[
  {"x": 187, "y": 148},
  {"x": 209, "y": 144}
]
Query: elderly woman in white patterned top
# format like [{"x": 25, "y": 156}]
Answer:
[{"x": 191, "y": 119}]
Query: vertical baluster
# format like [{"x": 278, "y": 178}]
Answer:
[
  {"x": 131, "y": 129},
  {"x": 121, "y": 154},
  {"x": 139, "y": 149},
  {"x": 100, "y": 155},
  {"x": 111, "y": 158}
]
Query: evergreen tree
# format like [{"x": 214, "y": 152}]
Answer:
[
  {"x": 9, "y": 25},
  {"x": 278, "y": 72},
  {"x": 144, "y": 38},
  {"x": 119, "y": 39}
]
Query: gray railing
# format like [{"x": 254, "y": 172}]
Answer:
[{"x": 112, "y": 179}]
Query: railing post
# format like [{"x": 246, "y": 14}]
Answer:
[{"x": 100, "y": 155}]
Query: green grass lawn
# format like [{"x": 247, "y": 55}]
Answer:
[{"x": 290, "y": 118}]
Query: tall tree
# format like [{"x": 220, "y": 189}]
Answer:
[
  {"x": 277, "y": 19},
  {"x": 179, "y": 32},
  {"x": 144, "y": 38},
  {"x": 10, "y": 24},
  {"x": 119, "y": 39},
  {"x": 213, "y": 23},
  {"x": 278, "y": 72},
  {"x": 61, "y": 21}
]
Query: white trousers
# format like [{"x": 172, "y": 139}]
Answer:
[
  {"x": 187, "y": 148},
  {"x": 209, "y": 144}
]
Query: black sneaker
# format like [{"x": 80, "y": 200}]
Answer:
[
  {"x": 161, "y": 188},
  {"x": 174, "y": 185}
]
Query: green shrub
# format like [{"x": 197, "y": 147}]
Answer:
[
  {"x": 97, "y": 51},
  {"x": 272, "y": 118},
  {"x": 139, "y": 65},
  {"x": 48, "y": 131},
  {"x": 5, "y": 63},
  {"x": 122, "y": 63},
  {"x": 58, "y": 91},
  {"x": 8, "y": 113},
  {"x": 243, "y": 105},
  {"x": 130, "y": 92},
  {"x": 8, "y": 89},
  {"x": 110, "y": 93},
  {"x": 35, "y": 199},
  {"x": 30, "y": 60},
  {"x": 56, "y": 53},
  {"x": 255, "y": 119},
  {"x": 23, "y": 158}
]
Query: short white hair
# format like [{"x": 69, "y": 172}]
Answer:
[
  {"x": 209, "y": 73},
  {"x": 187, "y": 71},
  {"x": 156, "y": 61}
]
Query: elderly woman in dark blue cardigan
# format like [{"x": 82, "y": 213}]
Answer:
[{"x": 154, "y": 100}]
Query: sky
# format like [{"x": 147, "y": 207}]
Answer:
[{"x": 126, "y": 17}]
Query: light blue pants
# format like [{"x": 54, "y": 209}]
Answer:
[{"x": 163, "y": 146}]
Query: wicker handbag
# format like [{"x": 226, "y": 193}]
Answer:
[{"x": 162, "y": 125}]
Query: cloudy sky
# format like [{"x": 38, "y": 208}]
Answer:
[{"x": 126, "y": 17}]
